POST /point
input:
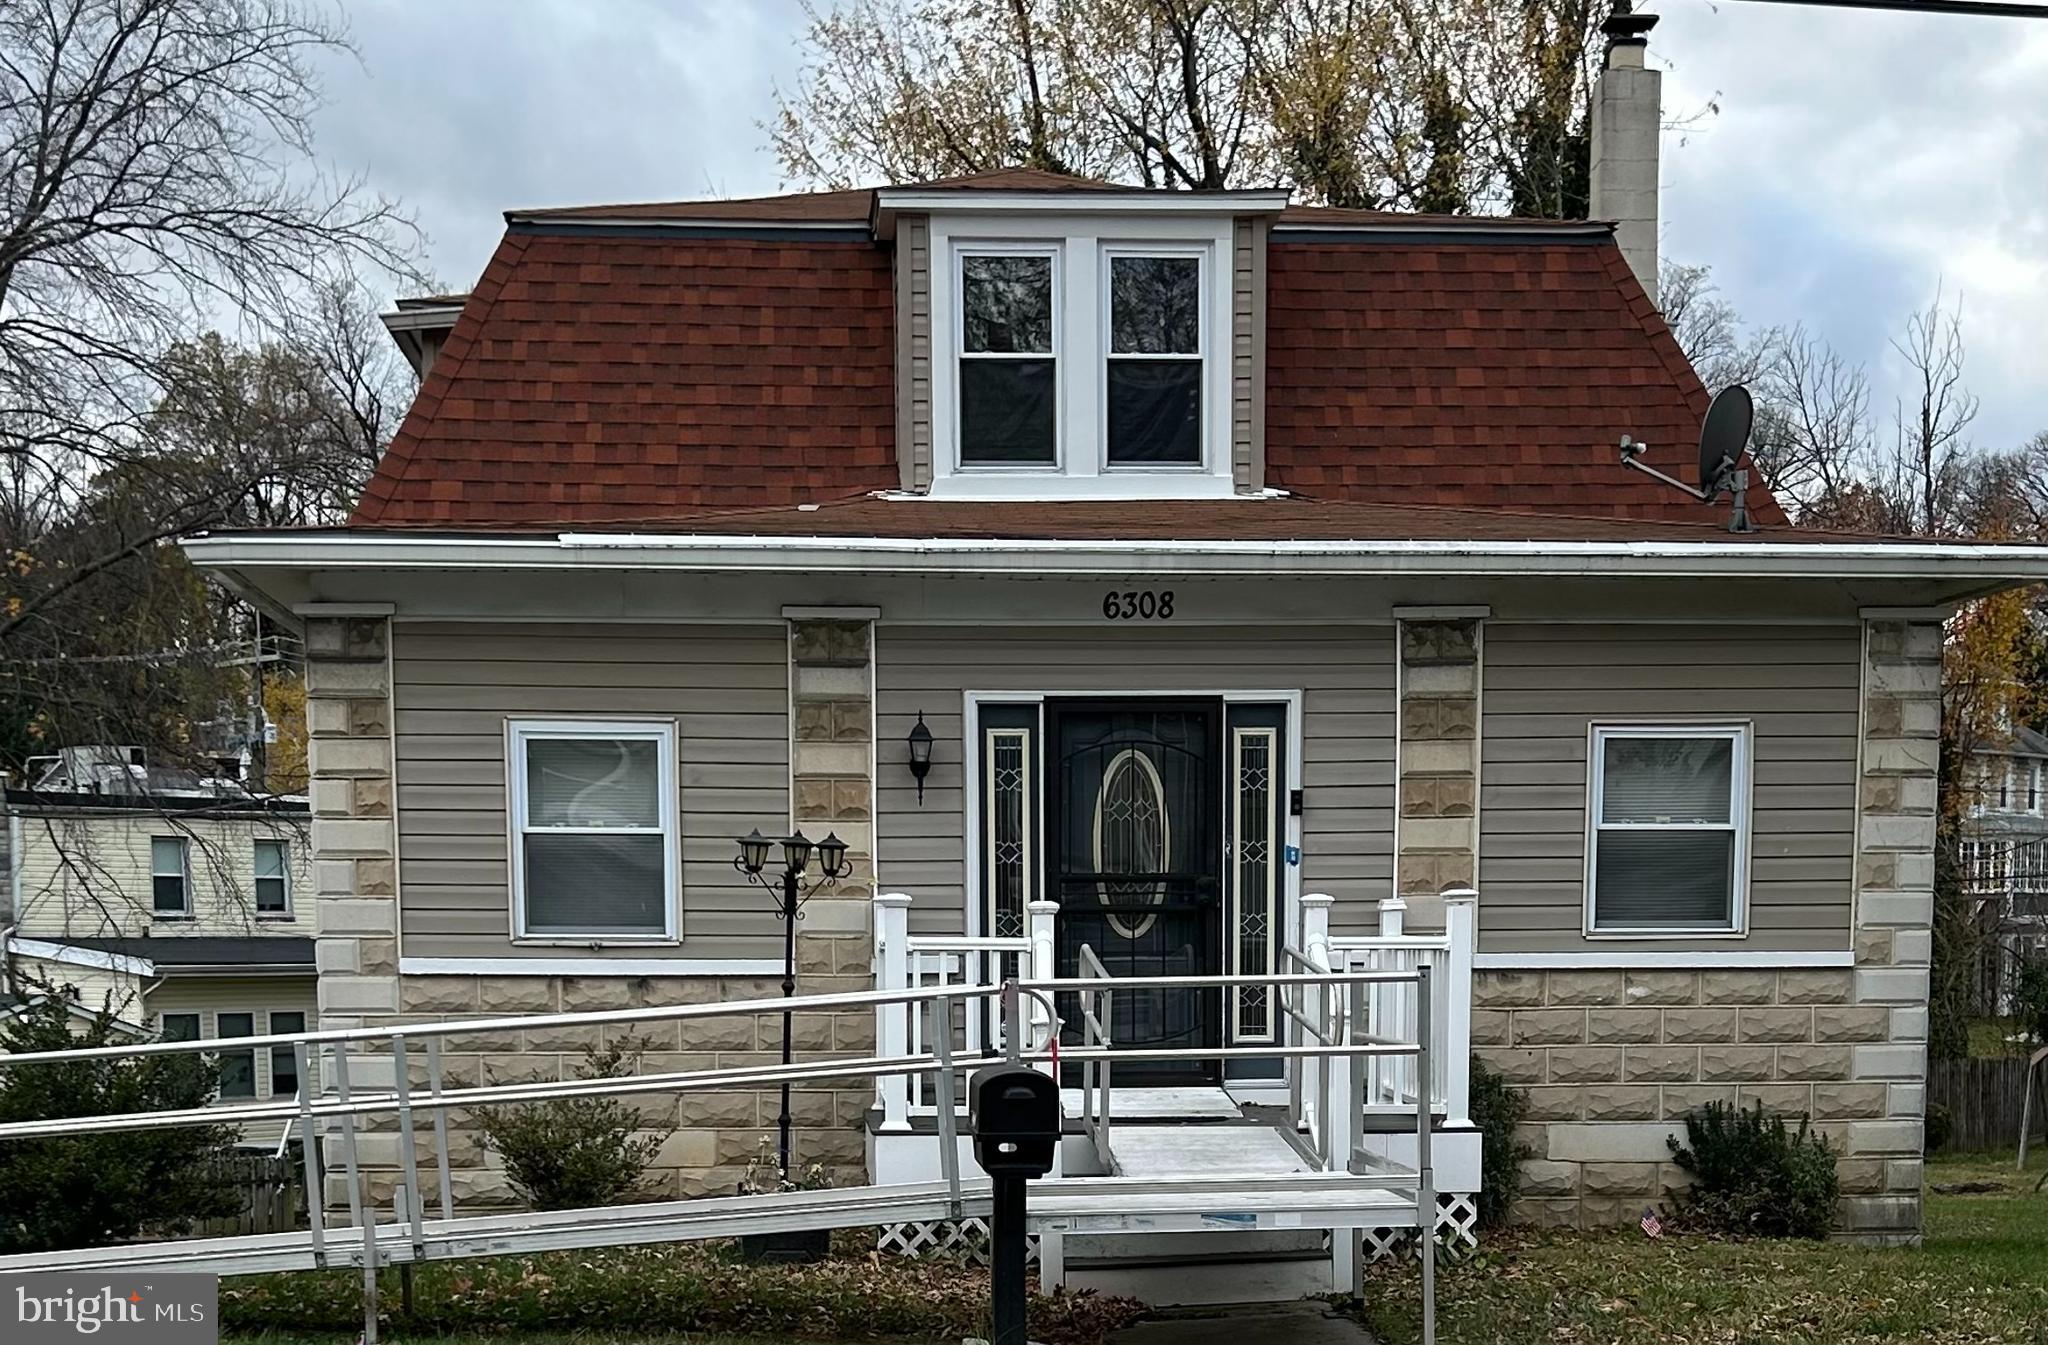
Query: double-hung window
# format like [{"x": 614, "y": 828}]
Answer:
[
  {"x": 284, "y": 1061},
  {"x": 237, "y": 1068},
  {"x": 1153, "y": 406},
  {"x": 1668, "y": 834},
  {"x": 178, "y": 1026},
  {"x": 594, "y": 810},
  {"x": 1082, "y": 356},
  {"x": 170, "y": 884},
  {"x": 273, "y": 879},
  {"x": 1009, "y": 365}
]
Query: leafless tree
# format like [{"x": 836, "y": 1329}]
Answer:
[
  {"x": 1930, "y": 449},
  {"x": 1813, "y": 437},
  {"x": 156, "y": 180}
]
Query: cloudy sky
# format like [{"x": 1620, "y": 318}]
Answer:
[{"x": 1857, "y": 159}]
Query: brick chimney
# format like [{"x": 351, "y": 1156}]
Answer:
[{"x": 1628, "y": 114}]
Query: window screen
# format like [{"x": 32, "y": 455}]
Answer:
[
  {"x": 273, "y": 878},
  {"x": 1667, "y": 831},
  {"x": 237, "y": 1068},
  {"x": 596, "y": 830},
  {"x": 167, "y": 880},
  {"x": 1009, "y": 374},
  {"x": 1155, "y": 361}
]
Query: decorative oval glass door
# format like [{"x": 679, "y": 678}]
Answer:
[{"x": 1135, "y": 818}]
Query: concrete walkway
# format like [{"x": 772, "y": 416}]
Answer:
[{"x": 1305, "y": 1323}]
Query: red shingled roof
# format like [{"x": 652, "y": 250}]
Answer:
[
  {"x": 1501, "y": 374},
  {"x": 589, "y": 377},
  {"x": 597, "y": 377}
]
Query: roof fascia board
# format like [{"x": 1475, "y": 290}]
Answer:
[
  {"x": 420, "y": 319},
  {"x": 1450, "y": 235},
  {"x": 1135, "y": 201},
  {"x": 1849, "y": 560},
  {"x": 783, "y": 231}
]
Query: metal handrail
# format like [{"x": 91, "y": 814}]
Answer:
[
  {"x": 347, "y": 1102},
  {"x": 1095, "y": 1074}
]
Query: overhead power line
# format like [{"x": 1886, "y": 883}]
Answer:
[{"x": 1985, "y": 9}]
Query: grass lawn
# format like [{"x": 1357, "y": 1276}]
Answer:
[
  {"x": 1981, "y": 1277},
  {"x": 688, "y": 1294}
]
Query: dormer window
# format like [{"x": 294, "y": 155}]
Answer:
[
  {"x": 1009, "y": 367},
  {"x": 1088, "y": 354},
  {"x": 1155, "y": 360}
]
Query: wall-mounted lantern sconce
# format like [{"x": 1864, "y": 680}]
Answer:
[{"x": 920, "y": 754}]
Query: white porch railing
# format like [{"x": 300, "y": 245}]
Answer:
[
  {"x": 1391, "y": 1010},
  {"x": 906, "y": 961}
]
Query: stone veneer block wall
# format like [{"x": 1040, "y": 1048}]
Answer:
[
  {"x": 1437, "y": 842},
  {"x": 349, "y": 715},
  {"x": 1613, "y": 1060}
]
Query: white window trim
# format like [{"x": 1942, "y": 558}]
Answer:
[
  {"x": 285, "y": 871},
  {"x": 957, "y": 348},
  {"x": 662, "y": 732},
  {"x": 1080, "y": 344},
  {"x": 184, "y": 876},
  {"x": 1205, "y": 275},
  {"x": 1740, "y": 810}
]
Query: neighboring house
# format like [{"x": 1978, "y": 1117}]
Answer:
[
  {"x": 2005, "y": 854},
  {"x": 180, "y": 901},
  {"x": 1230, "y": 550}
]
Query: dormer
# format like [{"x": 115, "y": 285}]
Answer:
[{"x": 1091, "y": 342}]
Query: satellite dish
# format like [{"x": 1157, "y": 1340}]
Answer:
[{"x": 1723, "y": 436}]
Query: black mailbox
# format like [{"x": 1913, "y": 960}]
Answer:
[{"x": 1015, "y": 1112}]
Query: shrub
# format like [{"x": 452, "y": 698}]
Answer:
[
  {"x": 87, "y": 1190},
  {"x": 1941, "y": 1123},
  {"x": 1497, "y": 1109},
  {"x": 1753, "y": 1175},
  {"x": 2030, "y": 996},
  {"x": 573, "y": 1153}
]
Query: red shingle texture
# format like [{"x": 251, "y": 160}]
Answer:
[
  {"x": 1496, "y": 374},
  {"x": 1245, "y": 518},
  {"x": 596, "y": 377}
]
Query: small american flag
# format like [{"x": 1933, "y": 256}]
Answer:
[{"x": 1652, "y": 1225}]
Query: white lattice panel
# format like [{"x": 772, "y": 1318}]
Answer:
[
  {"x": 1457, "y": 1232},
  {"x": 944, "y": 1237}
]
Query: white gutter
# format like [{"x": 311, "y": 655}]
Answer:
[
  {"x": 1037, "y": 556},
  {"x": 72, "y": 956}
]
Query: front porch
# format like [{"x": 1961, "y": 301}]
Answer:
[{"x": 1284, "y": 1114}]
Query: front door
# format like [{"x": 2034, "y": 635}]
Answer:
[{"x": 1135, "y": 818}]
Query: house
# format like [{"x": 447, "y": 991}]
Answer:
[
  {"x": 2005, "y": 856},
  {"x": 180, "y": 900},
  {"x": 1224, "y": 554}
]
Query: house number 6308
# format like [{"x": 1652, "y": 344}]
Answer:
[{"x": 1138, "y": 604}]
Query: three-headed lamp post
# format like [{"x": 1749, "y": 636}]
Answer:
[{"x": 797, "y": 881}]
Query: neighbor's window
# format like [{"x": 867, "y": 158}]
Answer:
[
  {"x": 1155, "y": 361},
  {"x": 237, "y": 1068},
  {"x": 1009, "y": 375},
  {"x": 1669, "y": 836},
  {"x": 273, "y": 879},
  {"x": 170, "y": 888},
  {"x": 178, "y": 1026},
  {"x": 594, "y": 823},
  {"x": 284, "y": 1063}
]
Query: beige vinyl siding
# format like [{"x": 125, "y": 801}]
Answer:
[
  {"x": 1248, "y": 354},
  {"x": 86, "y": 874},
  {"x": 95, "y": 988},
  {"x": 258, "y": 996},
  {"x": 914, "y": 350},
  {"x": 1544, "y": 685},
  {"x": 454, "y": 686},
  {"x": 1347, "y": 772}
]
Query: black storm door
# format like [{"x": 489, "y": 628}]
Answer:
[{"x": 1135, "y": 819}]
